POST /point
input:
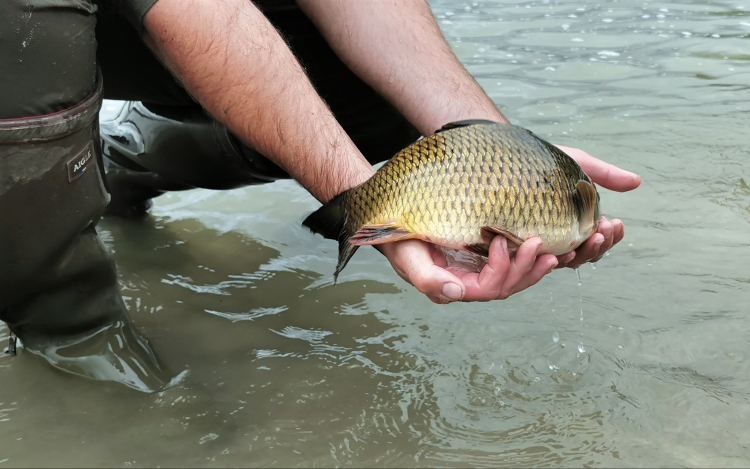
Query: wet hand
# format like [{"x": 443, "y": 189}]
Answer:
[
  {"x": 609, "y": 232},
  {"x": 602, "y": 173},
  {"x": 607, "y": 235},
  {"x": 425, "y": 267}
]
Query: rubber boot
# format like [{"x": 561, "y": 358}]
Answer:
[
  {"x": 58, "y": 284},
  {"x": 149, "y": 150}
]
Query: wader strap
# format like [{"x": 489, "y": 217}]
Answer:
[{"x": 55, "y": 125}]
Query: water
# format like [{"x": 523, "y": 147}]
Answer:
[{"x": 281, "y": 368}]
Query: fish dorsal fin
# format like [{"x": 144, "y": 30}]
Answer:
[
  {"x": 588, "y": 211},
  {"x": 464, "y": 123},
  {"x": 380, "y": 234}
]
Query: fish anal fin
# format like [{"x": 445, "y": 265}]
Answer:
[
  {"x": 380, "y": 234},
  {"x": 588, "y": 211},
  {"x": 464, "y": 123}
]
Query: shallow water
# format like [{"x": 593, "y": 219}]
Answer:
[{"x": 281, "y": 368}]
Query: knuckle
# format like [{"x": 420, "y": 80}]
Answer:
[{"x": 504, "y": 295}]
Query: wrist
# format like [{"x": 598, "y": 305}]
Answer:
[{"x": 343, "y": 172}]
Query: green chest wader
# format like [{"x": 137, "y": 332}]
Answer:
[{"x": 58, "y": 284}]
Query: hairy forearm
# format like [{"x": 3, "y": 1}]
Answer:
[
  {"x": 232, "y": 60},
  {"x": 397, "y": 48}
]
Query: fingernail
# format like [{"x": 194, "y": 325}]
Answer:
[
  {"x": 504, "y": 245},
  {"x": 452, "y": 291}
]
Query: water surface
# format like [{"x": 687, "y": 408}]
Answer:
[{"x": 647, "y": 363}]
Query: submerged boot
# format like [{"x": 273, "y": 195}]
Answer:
[
  {"x": 58, "y": 284},
  {"x": 151, "y": 149}
]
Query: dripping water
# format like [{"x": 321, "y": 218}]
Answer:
[{"x": 581, "y": 347}]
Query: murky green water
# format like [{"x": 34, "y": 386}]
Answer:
[{"x": 646, "y": 364}]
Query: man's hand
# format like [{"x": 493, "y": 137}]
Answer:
[
  {"x": 422, "y": 265},
  {"x": 425, "y": 267},
  {"x": 609, "y": 232}
]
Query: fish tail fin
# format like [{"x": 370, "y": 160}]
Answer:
[
  {"x": 588, "y": 210},
  {"x": 346, "y": 251},
  {"x": 329, "y": 221}
]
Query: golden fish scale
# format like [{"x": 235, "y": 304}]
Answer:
[{"x": 446, "y": 187}]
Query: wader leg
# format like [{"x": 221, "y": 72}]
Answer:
[
  {"x": 58, "y": 285},
  {"x": 149, "y": 150}
]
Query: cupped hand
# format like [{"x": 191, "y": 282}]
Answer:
[
  {"x": 609, "y": 232},
  {"x": 425, "y": 267}
]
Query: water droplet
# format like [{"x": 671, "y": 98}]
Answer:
[
  {"x": 578, "y": 276},
  {"x": 619, "y": 346},
  {"x": 593, "y": 266},
  {"x": 555, "y": 337},
  {"x": 581, "y": 348}
]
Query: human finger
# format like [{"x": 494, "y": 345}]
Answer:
[
  {"x": 619, "y": 230},
  {"x": 610, "y": 239},
  {"x": 605, "y": 174},
  {"x": 587, "y": 251},
  {"x": 607, "y": 230},
  {"x": 413, "y": 261},
  {"x": 521, "y": 264},
  {"x": 595, "y": 246},
  {"x": 564, "y": 259},
  {"x": 542, "y": 266},
  {"x": 487, "y": 285}
]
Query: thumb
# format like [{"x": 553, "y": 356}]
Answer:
[{"x": 412, "y": 260}]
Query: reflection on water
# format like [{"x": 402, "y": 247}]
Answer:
[{"x": 279, "y": 367}]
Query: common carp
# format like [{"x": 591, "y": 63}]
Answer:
[{"x": 462, "y": 186}]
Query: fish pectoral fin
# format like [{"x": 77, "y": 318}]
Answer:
[
  {"x": 481, "y": 249},
  {"x": 464, "y": 123},
  {"x": 380, "y": 234},
  {"x": 588, "y": 212},
  {"x": 488, "y": 233}
]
